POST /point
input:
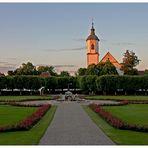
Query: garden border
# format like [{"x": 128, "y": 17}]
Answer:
[
  {"x": 115, "y": 121},
  {"x": 29, "y": 121}
]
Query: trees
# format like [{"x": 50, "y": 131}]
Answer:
[
  {"x": 102, "y": 68},
  {"x": 26, "y": 69},
  {"x": 30, "y": 69},
  {"x": 3, "y": 83},
  {"x": 51, "y": 83},
  {"x": 130, "y": 60},
  {"x": 64, "y": 74},
  {"x": 81, "y": 71},
  {"x": 49, "y": 69},
  {"x": 107, "y": 68},
  {"x": 87, "y": 83}
]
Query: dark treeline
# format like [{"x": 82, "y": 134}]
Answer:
[{"x": 89, "y": 84}]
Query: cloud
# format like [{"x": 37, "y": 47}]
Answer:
[
  {"x": 5, "y": 69},
  {"x": 66, "y": 49},
  {"x": 59, "y": 66},
  {"x": 123, "y": 43},
  {"x": 5, "y": 66}
]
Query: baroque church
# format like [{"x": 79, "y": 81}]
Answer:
[{"x": 93, "y": 52}]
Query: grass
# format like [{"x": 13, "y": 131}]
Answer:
[
  {"x": 31, "y": 137},
  {"x": 117, "y": 97},
  {"x": 20, "y": 98},
  {"x": 132, "y": 113},
  {"x": 11, "y": 115},
  {"x": 121, "y": 137}
]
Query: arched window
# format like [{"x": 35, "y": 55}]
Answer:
[{"x": 92, "y": 46}]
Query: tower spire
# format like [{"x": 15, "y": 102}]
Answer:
[{"x": 92, "y": 28}]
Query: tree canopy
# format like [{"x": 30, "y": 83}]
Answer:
[
  {"x": 102, "y": 68},
  {"x": 130, "y": 60}
]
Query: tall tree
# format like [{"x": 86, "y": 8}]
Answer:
[
  {"x": 130, "y": 60},
  {"x": 26, "y": 69}
]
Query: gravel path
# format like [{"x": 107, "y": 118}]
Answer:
[{"x": 72, "y": 126}]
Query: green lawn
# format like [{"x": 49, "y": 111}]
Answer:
[
  {"x": 121, "y": 137},
  {"x": 31, "y": 137},
  {"x": 132, "y": 113},
  {"x": 18, "y": 98},
  {"x": 117, "y": 97},
  {"x": 11, "y": 115}
]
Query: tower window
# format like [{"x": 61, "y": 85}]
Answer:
[{"x": 92, "y": 46}]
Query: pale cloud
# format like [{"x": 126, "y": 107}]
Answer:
[
  {"x": 123, "y": 43},
  {"x": 66, "y": 49},
  {"x": 6, "y": 66}
]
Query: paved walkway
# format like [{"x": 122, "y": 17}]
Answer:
[{"x": 72, "y": 126}]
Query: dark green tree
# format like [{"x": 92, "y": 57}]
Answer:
[
  {"x": 64, "y": 74},
  {"x": 51, "y": 83},
  {"x": 81, "y": 71},
  {"x": 130, "y": 60},
  {"x": 26, "y": 69},
  {"x": 108, "y": 69},
  {"x": 3, "y": 82},
  {"x": 49, "y": 69},
  {"x": 91, "y": 70}
]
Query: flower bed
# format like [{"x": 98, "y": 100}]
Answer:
[
  {"x": 115, "y": 121},
  {"x": 125, "y": 102},
  {"x": 28, "y": 122}
]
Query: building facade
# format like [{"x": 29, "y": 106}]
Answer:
[{"x": 92, "y": 42}]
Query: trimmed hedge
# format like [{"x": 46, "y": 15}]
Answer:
[{"x": 87, "y": 84}]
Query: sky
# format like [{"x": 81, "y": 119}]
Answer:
[{"x": 55, "y": 33}]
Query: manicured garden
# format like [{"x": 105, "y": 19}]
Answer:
[
  {"x": 132, "y": 113},
  {"x": 117, "y": 97},
  {"x": 116, "y": 120},
  {"x": 37, "y": 129},
  {"x": 11, "y": 115},
  {"x": 121, "y": 137}
]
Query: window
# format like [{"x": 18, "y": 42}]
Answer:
[{"x": 92, "y": 46}]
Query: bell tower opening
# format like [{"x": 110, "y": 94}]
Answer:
[{"x": 92, "y": 47}]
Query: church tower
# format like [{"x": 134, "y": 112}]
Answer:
[{"x": 92, "y": 47}]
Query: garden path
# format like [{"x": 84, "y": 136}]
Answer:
[{"x": 72, "y": 126}]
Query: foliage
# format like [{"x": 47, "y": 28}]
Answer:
[
  {"x": 130, "y": 60},
  {"x": 26, "y": 69},
  {"x": 49, "y": 69},
  {"x": 146, "y": 72},
  {"x": 64, "y": 74},
  {"x": 81, "y": 71},
  {"x": 51, "y": 83},
  {"x": 87, "y": 83},
  {"x": 102, "y": 68},
  {"x": 63, "y": 82},
  {"x": 29, "y": 69}
]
